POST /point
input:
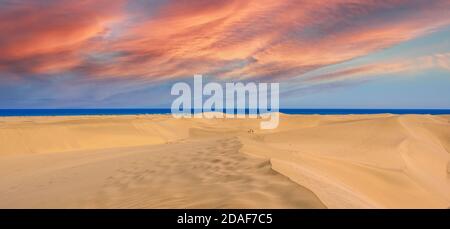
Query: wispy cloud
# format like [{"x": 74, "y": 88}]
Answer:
[
  {"x": 272, "y": 38},
  {"x": 152, "y": 40},
  {"x": 49, "y": 36},
  {"x": 383, "y": 68}
]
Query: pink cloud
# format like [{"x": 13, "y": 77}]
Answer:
[
  {"x": 252, "y": 38},
  {"x": 50, "y": 36},
  {"x": 387, "y": 67}
]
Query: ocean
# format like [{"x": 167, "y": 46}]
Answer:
[{"x": 139, "y": 111}]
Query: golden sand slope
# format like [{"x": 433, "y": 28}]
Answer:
[
  {"x": 380, "y": 161},
  {"x": 155, "y": 161},
  {"x": 180, "y": 167}
]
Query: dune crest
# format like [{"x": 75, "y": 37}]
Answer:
[
  {"x": 156, "y": 161},
  {"x": 386, "y": 161}
]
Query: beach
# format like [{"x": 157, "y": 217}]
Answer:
[{"x": 157, "y": 161}]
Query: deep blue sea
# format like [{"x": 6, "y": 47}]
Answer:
[{"x": 66, "y": 112}]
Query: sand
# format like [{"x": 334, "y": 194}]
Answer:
[{"x": 156, "y": 161}]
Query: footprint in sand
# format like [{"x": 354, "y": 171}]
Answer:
[{"x": 204, "y": 173}]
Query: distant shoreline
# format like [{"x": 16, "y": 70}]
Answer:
[{"x": 148, "y": 111}]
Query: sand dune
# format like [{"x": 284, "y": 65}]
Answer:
[
  {"x": 360, "y": 162},
  {"x": 155, "y": 161}
]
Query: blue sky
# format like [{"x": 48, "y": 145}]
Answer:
[{"x": 324, "y": 54}]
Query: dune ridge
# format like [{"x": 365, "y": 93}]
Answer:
[
  {"x": 156, "y": 161},
  {"x": 388, "y": 161}
]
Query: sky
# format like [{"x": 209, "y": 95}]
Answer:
[{"x": 128, "y": 54}]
